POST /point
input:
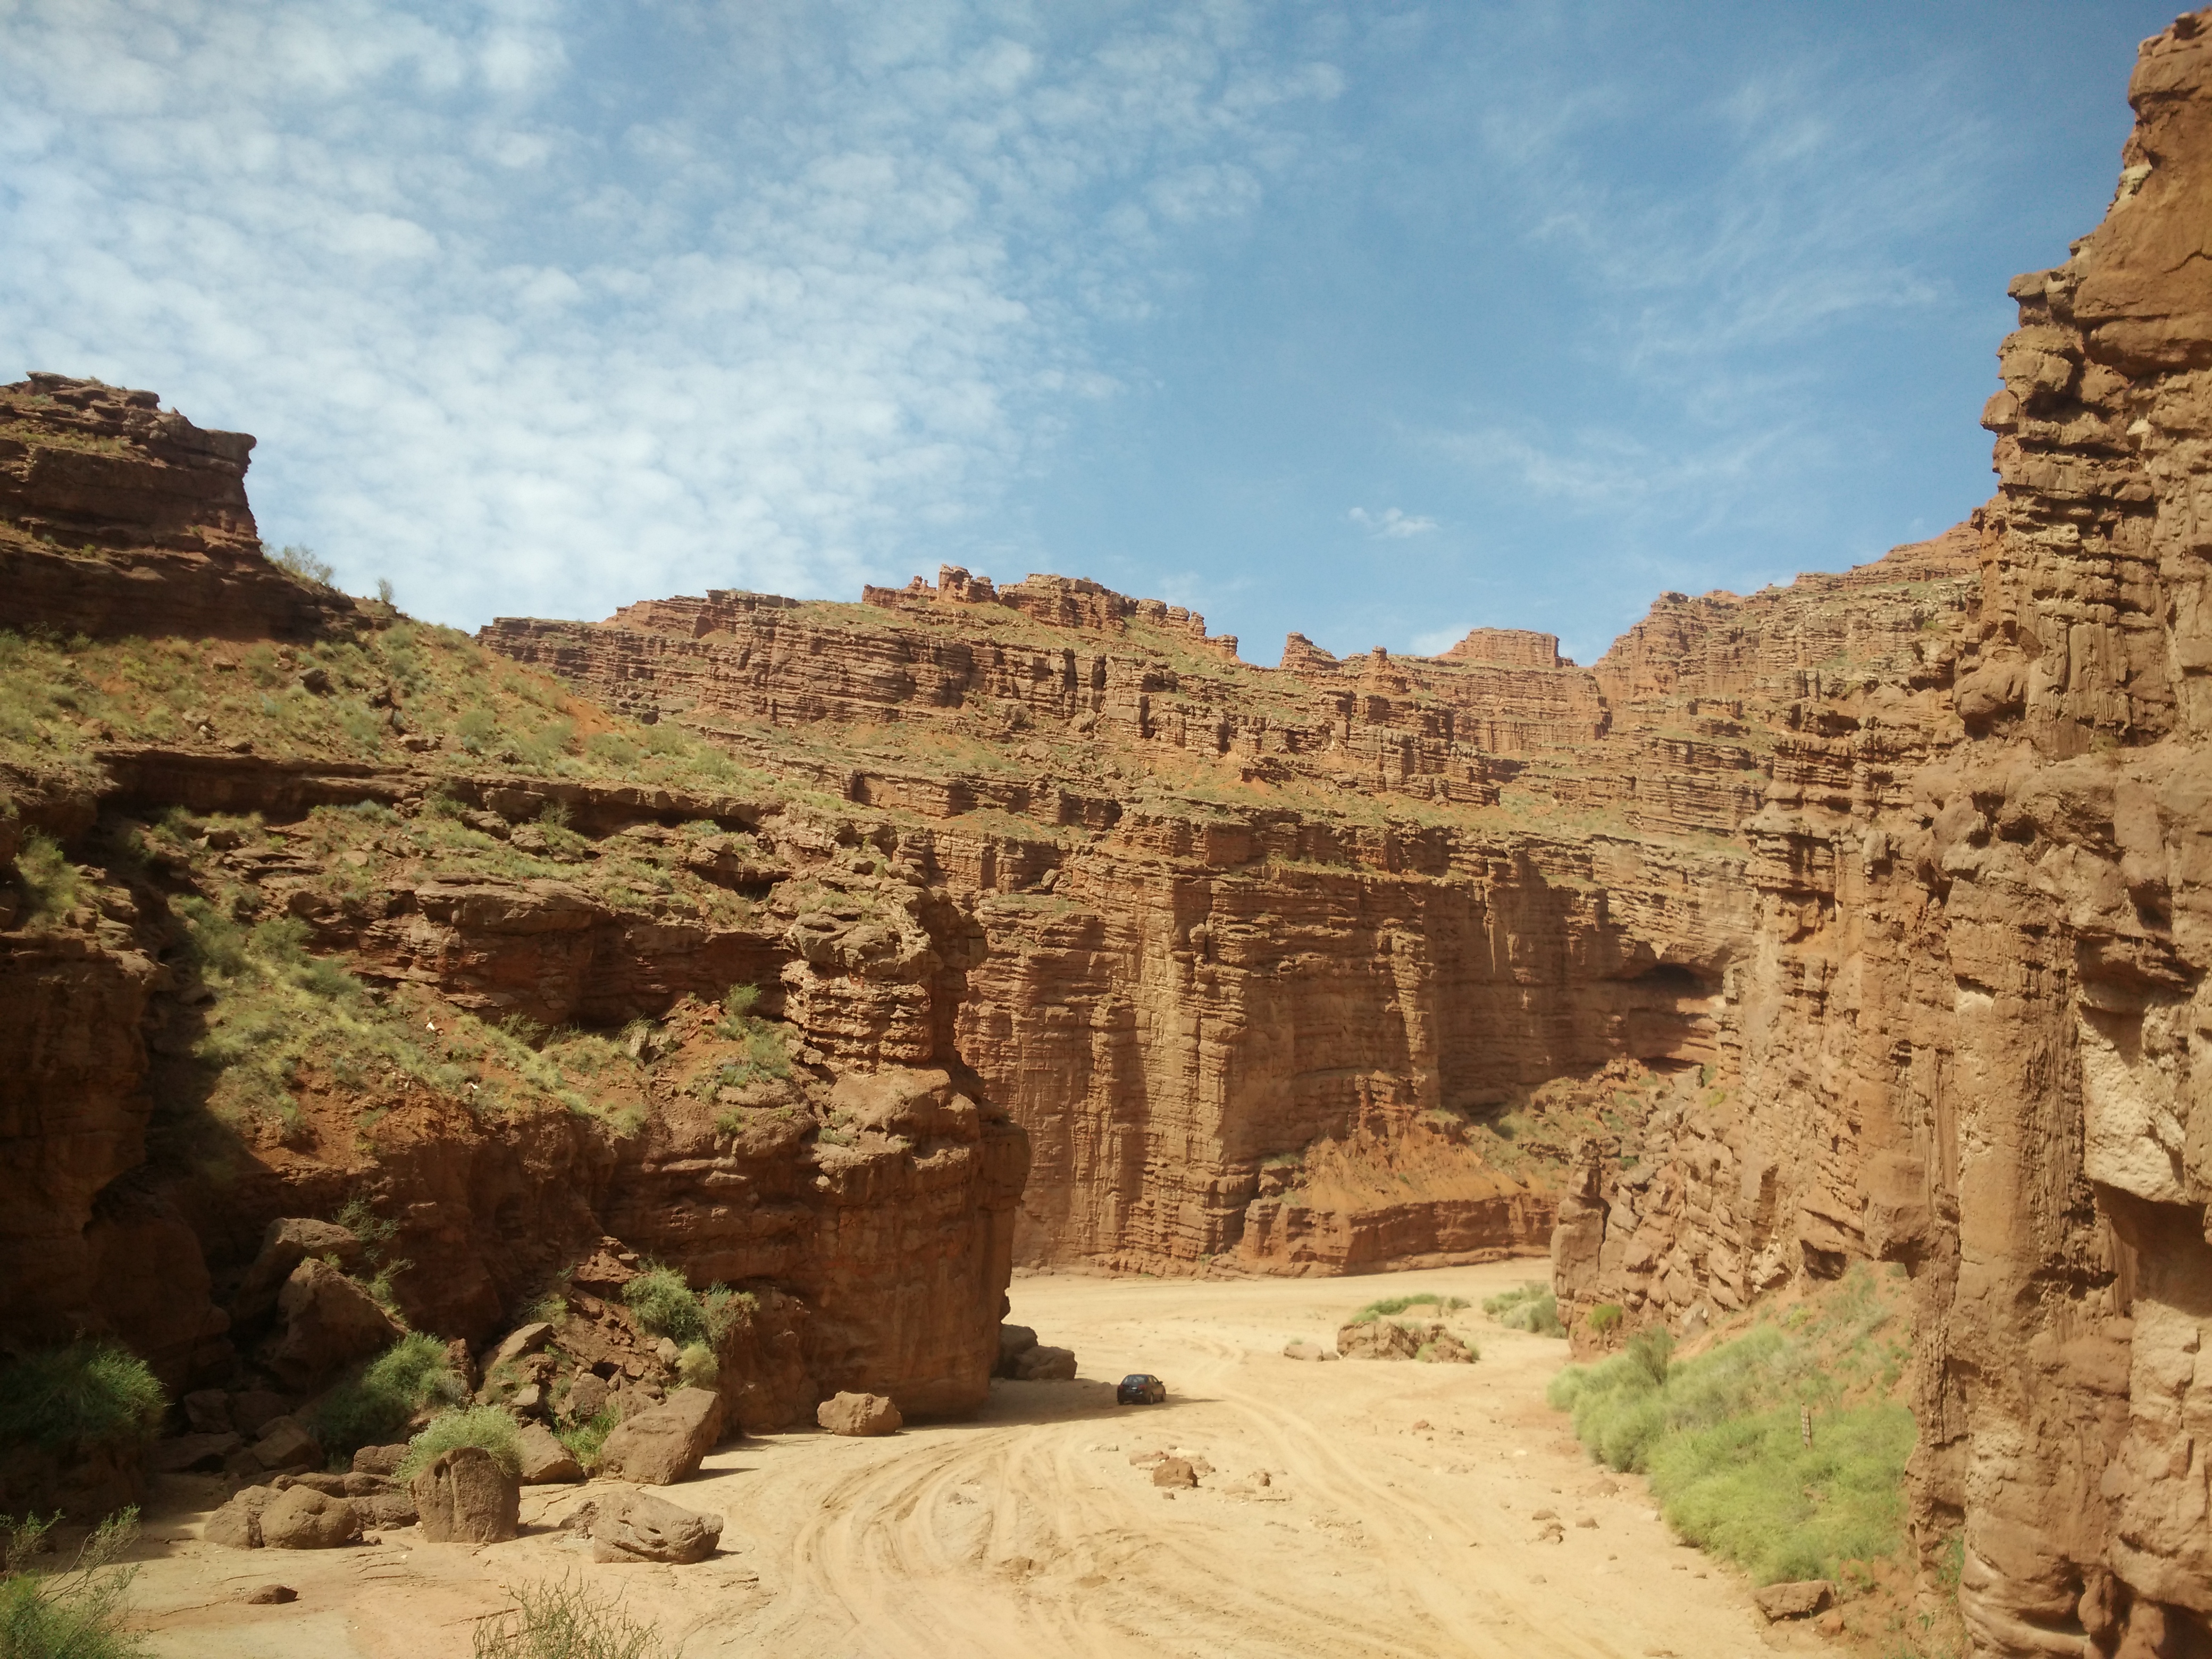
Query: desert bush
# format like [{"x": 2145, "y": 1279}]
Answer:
[
  {"x": 666, "y": 1305},
  {"x": 566, "y": 1621},
  {"x": 1532, "y": 1308},
  {"x": 301, "y": 562},
  {"x": 1604, "y": 1317},
  {"x": 1397, "y": 1305},
  {"x": 1720, "y": 1437},
  {"x": 485, "y": 1427},
  {"x": 696, "y": 1366},
  {"x": 89, "y": 1393},
  {"x": 584, "y": 1440},
  {"x": 410, "y": 1376},
  {"x": 54, "y": 885},
  {"x": 76, "y": 1613}
]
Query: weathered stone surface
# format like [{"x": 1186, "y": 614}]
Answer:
[
  {"x": 628, "y": 1525},
  {"x": 465, "y": 1497},
  {"x": 237, "y": 1524},
  {"x": 1174, "y": 1471},
  {"x": 664, "y": 1443},
  {"x": 544, "y": 1459},
  {"x": 192, "y": 1451},
  {"x": 1798, "y": 1599},
  {"x": 329, "y": 1322},
  {"x": 152, "y": 513},
  {"x": 859, "y": 1415},
  {"x": 301, "y": 1518},
  {"x": 1044, "y": 1363},
  {"x": 1377, "y": 1339},
  {"x": 286, "y": 1444}
]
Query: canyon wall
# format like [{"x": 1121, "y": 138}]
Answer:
[
  {"x": 1891, "y": 877},
  {"x": 1863, "y": 919}
]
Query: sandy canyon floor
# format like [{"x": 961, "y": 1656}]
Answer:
[{"x": 1028, "y": 1531}]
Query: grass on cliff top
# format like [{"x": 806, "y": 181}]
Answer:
[
  {"x": 61, "y": 698},
  {"x": 1720, "y": 1435},
  {"x": 1390, "y": 1306}
]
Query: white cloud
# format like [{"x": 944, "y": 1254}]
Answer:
[
  {"x": 1392, "y": 523},
  {"x": 537, "y": 310}
]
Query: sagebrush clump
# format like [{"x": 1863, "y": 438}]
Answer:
[
  {"x": 1722, "y": 1435},
  {"x": 412, "y": 1374},
  {"x": 566, "y": 1620},
  {"x": 75, "y": 1612},
  {"x": 87, "y": 1395},
  {"x": 485, "y": 1427}
]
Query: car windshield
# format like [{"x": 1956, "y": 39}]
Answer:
[{"x": 1137, "y": 1379}]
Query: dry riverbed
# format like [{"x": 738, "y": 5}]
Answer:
[{"x": 1398, "y": 1517}]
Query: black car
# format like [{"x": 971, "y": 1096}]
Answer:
[{"x": 1139, "y": 1389}]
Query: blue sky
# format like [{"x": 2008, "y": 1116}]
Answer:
[{"x": 1374, "y": 322}]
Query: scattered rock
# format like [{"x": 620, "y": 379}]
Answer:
[
  {"x": 1014, "y": 1341},
  {"x": 301, "y": 1518},
  {"x": 1441, "y": 1347},
  {"x": 192, "y": 1451},
  {"x": 379, "y": 1460},
  {"x": 1800, "y": 1599},
  {"x": 268, "y": 1596},
  {"x": 586, "y": 1397},
  {"x": 1589, "y": 1521},
  {"x": 1307, "y": 1351},
  {"x": 641, "y": 1526},
  {"x": 1045, "y": 1365},
  {"x": 330, "y": 1322},
  {"x": 208, "y": 1410},
  {"x": 665, "y": 1442},
  {"x": 544, "y": 1459},
  {"x": 523, "y": 1341},
  {"x": 1139, "y": 1459},
  {"x": 859, "y": 1415},
  {"x": 465, "y": 1497},
  {"x": 1377, "y": 1339},
  {"x": 1174, "y": 1471},
  {"x": 285, "y": 1443},
  {"x": 237, "y": 1524}
]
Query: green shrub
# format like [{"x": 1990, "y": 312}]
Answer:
[
  {"x": 478, "y": 726},
  {"x": 1398, "y": 1305},
  {"x": 1719, "y": 1436},
  {"x": 1604, "y": 1317},
  {"x": 485, "y": 1427},
  {"x": 1652, "y": 1351},
  {"x": 584, "y": 1439},
  {"x": 565, "y": 1620},
  {"x": 696, "y": 1366},
  {"x": 54, "y": 885},
  {"x": 1532, "y": 1308},
  {"x": 667, "y": 1306},
  {"x": 76, "y": 1613},
  {"x": 410, "y": 1376},
  {"x": 90, "y": 1393}
]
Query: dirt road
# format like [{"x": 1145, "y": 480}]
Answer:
[{"x": 1398, "y": 1517}]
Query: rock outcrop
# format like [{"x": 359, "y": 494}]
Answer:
[{"x": 119, "y": 517}]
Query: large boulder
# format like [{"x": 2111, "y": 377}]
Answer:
[
  {"x": 286, "y": 1444},
  {"x": 544, "y": 1459},
  {"x": 859, "y": 1415},
  {"x": 301, "y": 1518},
  {"x": 465, "y": 1497},
  {"x": 1014, "y": 1341},
  {"x": 663, "y": 1444},
  {"x": 330, "y": 1322},
  {"x": 237, "y": 1524},
  {"x": 1378, "y": 1339},
  {"x": 523, "y": 1341},
  {"x": 639, "y": 1526},
  {"x": 183, "y": 1452},
  {"x": 1045, "y": 1365},
  {"x": 285, "y": 1245}
]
